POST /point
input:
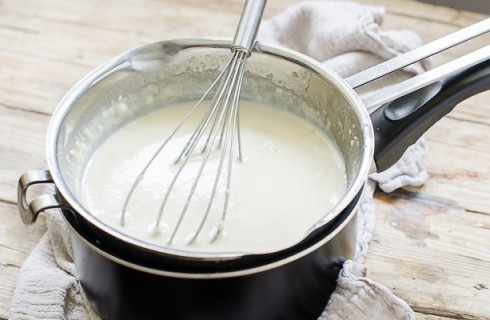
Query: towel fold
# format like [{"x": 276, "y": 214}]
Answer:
[{"x": 347, "y": 38}]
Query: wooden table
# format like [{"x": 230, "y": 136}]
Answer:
[{"x": 431, "y": 245}]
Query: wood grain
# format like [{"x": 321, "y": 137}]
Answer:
[
  {"x": 435, "y": 246},
  {"x": 430, "y": 244}
]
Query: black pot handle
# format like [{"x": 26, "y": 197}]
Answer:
[{"x": 400, "y": 123}]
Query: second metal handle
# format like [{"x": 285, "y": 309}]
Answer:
[{"x": 390, "y": 93}]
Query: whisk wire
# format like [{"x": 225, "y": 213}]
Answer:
[
  {"x": 205, "y": 120},
  {"x": 219, "y": 111},
  {"x": 233, "y": 126},
  {"x": 218, "y": 98},
  {"x": 196, "y": 135},
  {"x": 141, "y": 174},
  {"x": 227, "y": 139}
]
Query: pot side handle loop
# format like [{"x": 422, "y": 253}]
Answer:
[
  {"x": 400, "y": 123},
  {"x": 30, "y": 211}
]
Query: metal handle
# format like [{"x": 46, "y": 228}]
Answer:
[
  {"x": 30, "y": 211},
  {"x": 390, "y": 93},
  {"x": 248, "y": 26},
  {"x": 403, "y": 112}
]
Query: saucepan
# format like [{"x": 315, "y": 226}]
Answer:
[{"x": 126, "y": 278}]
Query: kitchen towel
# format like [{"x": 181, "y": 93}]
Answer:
[{"x": 347, "y": 38}]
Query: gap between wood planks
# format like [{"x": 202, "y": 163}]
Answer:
[
  {"x": 415, "y": 196},
  {"x": 21, "y": 109},
  {"x": 445, "y": 314}
]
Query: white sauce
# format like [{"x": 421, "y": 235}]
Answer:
[{"x": 291, "y": 177}]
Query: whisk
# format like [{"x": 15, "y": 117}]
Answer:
[{"x": 219, "y": 128}]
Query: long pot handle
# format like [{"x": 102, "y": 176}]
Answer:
[
  {"x": 29, "y": 211},
  {"x": 400, "y": 123},
  {"x": 425, "y": 51}
]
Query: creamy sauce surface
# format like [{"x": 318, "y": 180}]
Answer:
[{"x": 291, "y": 176}]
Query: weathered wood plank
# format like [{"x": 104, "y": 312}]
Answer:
[
  {"x": 459, "y": 165},
  {"x": 22, "y": 146},
  {"x": 474, "y": 110},
  {"x": 35, "y": 83},
  {"x": 423, "y": 316},
  {"x": 424, "y": 11},
  {"x": 432, "y": 255},
  {"x": 59, "y": 46}
]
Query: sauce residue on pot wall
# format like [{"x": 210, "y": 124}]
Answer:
[{"x": 291, "y": 177}]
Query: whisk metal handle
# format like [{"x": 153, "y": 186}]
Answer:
[{"x": 248, "y": 26}]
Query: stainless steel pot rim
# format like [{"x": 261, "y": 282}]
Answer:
[{"x": 85, "y": 84}]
